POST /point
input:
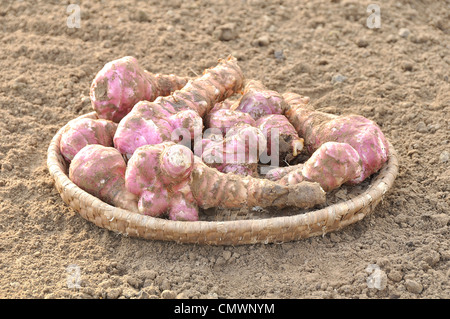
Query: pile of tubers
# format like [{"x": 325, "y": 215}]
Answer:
[{"x": 169, "y": 146}]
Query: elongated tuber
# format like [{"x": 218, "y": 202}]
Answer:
[
  {"x": 121, "y": 83},
  {"x": 331, "y": 165},
  {"x": 81, "y": 132},
  {"x": 170, "y": 180},
  {"x": 288, "y": 144},
  {"x": 152, "y": 119},
  {"x": 277, "y": 173},
  {"x": 258, "y": 101},
  {"x": 211, "y": 188},
  {"x": 100, "y": 171},
  {"x": 317, "y": 128}
]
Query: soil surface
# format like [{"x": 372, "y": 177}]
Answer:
[{"x": 396, "y": 74}]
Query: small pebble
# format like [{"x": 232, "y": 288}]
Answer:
[
  {"x": 6, "y": 167},
  {"x": 106, "y": 44},
  {"x": 133, "y": 281},
  {"x": 226, "y": 254},
  {"x": 210, "y": 296},
  {"x": 395, "y": 275},
  {"x": 444, "y": 157},
  {"x": 413, "y": 286},
  {"x": 142, "y": 16},
  {"x": 362, "y": 43},
  {"x": 404, "y": 32},
  {"x": 182, "y": 295},
  {"x": 263, "y": 41},
  {"x": 113, "y": 293},
  {"x": 165, "y": 285},
  {"x": 432, "y": 258},
  {"x": 220, "y": 261},
  {"x": 272, "y": 28},
  {"x": 391, "y": 38},
  {"x": 150, "y": 290},
  {"x": 421, "y": 127},
  {"x": 168, "y": 294},
  {"x": 226, "y": 32},
  {"x": 334, "y": 238},
  {"x": 407, "y": 66},
  {"x": 279, "y": 55},
  {"x": 338, "y": 78},
  {"x": 142, "y": 295}
]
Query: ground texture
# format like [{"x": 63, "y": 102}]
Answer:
[{"x": 397, "y": 74}]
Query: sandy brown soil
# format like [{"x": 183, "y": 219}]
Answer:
[{"x": 400, "y": 80}]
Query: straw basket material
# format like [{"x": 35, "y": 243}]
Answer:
[{"x": 234, "y": 232}]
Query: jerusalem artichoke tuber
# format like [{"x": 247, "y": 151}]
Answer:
[
  {"x": 288, "y": 144},
  {"x": 158, "y": 175},
  {"x": 211, "y": 188},
  {"x": 276, "y": 173},
  {"x": 121, "y": 83},
  {"x": 238, "y": 152},
  {"x": 168, "y": 179},
  {"x": 331, "y": 165},
  {"x": 317, "y": 128},
  {"x": 258, "y": 101},
  {"x": 80, "y": 132},
  {"x": 100, "y": 171},
  {"x": 151, "y": 119},
  {"x": 224, "y": 119}
]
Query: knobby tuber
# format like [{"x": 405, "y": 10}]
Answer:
[
  {"x": 237, "y": 152},
  {"x": 224, "y": 119},
  {"x": 151, "y": 122},
  {"x": 81, "y": 132},
  {"x": 225, "y": 104},
  {"x": 331, "y": 165},
  {"x": 286, "y": 142},
  {"x": 258, "y": 101},
  {"x": 317, "y": 128},
  {"x": 169, "y": 179},
  {"x": 121, "y": 83},
  {"x": 100, "y": 171},
  {"x": 159, "y": 176}
]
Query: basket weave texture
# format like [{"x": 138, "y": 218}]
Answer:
[{"x": 237, "y": 232}]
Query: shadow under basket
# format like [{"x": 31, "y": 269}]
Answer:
[{"x": 275, "y": 229}]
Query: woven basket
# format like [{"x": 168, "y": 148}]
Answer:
[{"x": 234, "y": 232}]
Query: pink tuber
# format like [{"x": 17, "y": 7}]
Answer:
[
  {"x": 258, "y": 101},
  {"x": 331, "y": 165},
  {"x": 237, "y": 152},
  {"x": 158, "y": 175},
  {"x": 288, "y": 144},
  {"x": 169, "y": 180},
  {"x": 224, "y": 119},
  {"x": 100, "y": 171},
  {"x": 121, "y": 83},
  {"x": 317, "y": 128},
  {"x": 163, "y": 120},
  {"x": 81, "y": 132}
]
